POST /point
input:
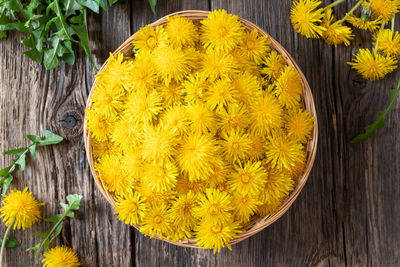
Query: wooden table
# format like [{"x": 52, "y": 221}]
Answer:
[{"x": 347, "y": 214}]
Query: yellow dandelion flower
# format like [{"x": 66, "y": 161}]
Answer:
[
  {"x": 143, "y": 75},
  {"x": 99, "y": 125},
  {"x": 265, "y": 114},
  {"x": 300, "y": 125},
  {"x": 101, "y": 148},
  {"x": 181, "y": 31},
  {"x": 235, "y": 145},
  {"x": 143, "y": 107},
  {"x": 176, "y": 120},
  {"x": 133, "y": 163},
  {"x": 269, "y": 208},
  {"x": 173, "y": 63},
  {"x": 196, "y": 154},
  {"x": 234, "y": 117},
  {"x": 245, "y": 206},
  {"x": 202, "y": 118},
  {"x": 216, "y": 234},
  {"x": 179, "y": 232},
  {"x": 160, "y": 177},
  {"x": 241, "y": 62},
  {"x": 60, "y": 256},
  {"x": 116, "y": 71},
  {"x": 335, "y": 32},
  {"x": 298, "y": 169},
  {"x": 155, "y": 221},
  {"x": 388, "y": 42},
  {"x": 182, "y": 210},
  {"x": 158, "y": 144},
  {"x": 20, "y": 207},
  {"x": 305, "y": 18},
  {"x": 364, "y": 23},
  {"x": 373, "y": 66},
  {"x": 217, "y": 65},
  {"x": 214, "y": 206},
  {"x": 130, "y": 209},
  {"x": 195, "y": 86},
  {"x": 185, "y": 185},
  {"x": 148, "y": 39},
  {"x": 171, "y": 93},
  {"x": 289, "y": 87},
  {"x": 221, "y": 31},
  {"x": 108, "y": 100},
  {"x": 277, "y": 186},
  {"x": 153, "y": 197},
  {"x": 282, "y": 151},
  {"x": 384, "y": 9},
  {"x": 274, "y": 64},
  {"x": 248, "y": 179},
  {"x": 220, "y": 172},
  {"x": 255, "y": 46},
  {"x": 246, "y": 88},
  {"x": 112, "y": 175},
  {"x": 220, "y": 94},
  {"x": 257, "y": 150},
  {"x": 126, "y": 134}
]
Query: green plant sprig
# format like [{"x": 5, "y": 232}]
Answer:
[
  {"x": 52, "y": 27},
  {"x": 380, "y": 121},
  {"x": 49, "y": 138},
  {"x": 74, "y": 204}
]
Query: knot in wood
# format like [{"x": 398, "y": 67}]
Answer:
[
  {"x": 358, "y": 82},
  {"x": 69, "y": 122}
]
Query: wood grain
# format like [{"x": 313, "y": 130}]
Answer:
[{"x": 346, "y": 215}]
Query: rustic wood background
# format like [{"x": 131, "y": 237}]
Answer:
[{"x": 347, "y": 214}]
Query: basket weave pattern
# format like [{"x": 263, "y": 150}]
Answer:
[{"x": 257, "y": 224}]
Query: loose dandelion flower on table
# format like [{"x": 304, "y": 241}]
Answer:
[
  {"x": 60, "y": 256},
  {"x": 384, "y": 9},
  {"x": 372, "y": 65},
  {"x": 388, "y": 42},
  {"x": 364, "y": 23},
  {"x": 335, "y": 32},
  {"x": 184, "y": 131},
  {"x": 20, "y": 209},
  {"x": 306, "y": 17}
]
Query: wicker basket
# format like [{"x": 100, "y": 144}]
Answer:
[{"x": 257, "y": 224}]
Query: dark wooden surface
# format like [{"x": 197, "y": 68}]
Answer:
[{"x": 347, "y": 214}]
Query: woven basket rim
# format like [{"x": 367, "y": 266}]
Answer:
[{"x": 311, "y": 148}]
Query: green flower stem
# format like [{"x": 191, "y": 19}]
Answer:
[
  {"x": 337, "y": 2},
  {"x": 377, "y": 40},
  {"x": 351, "y": 11},
  {"x": 52, "y": 231},
  {"x": 3, "y": 245}
]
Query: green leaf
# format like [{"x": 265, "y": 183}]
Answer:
[
  {"x": 10, "y": 243},
  {"x": 50, "y": 59},
  {"x": 53, "y": 219},
  {"x": 21, "y": 162},
  {"x": 4, "y": 171},
  {"x": 153, "y": 5},
  {"x": 74, "y": 201},
  {"x": 15, "y": 152},
  {"x": 33, "y": 138},
  {"x": 111, "y": 2},
  {"x": 91, "y": 4},
  {"x": 380, "y": 121},
  {"x": 42, "y": 235},
  {"x": 32, "y": 150},
  {"x": 49, "y": 139},
  {"x": 80, "y": 29},
  {"x": 6, "y": 183},
  {"x": 35, "y": 248}
]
